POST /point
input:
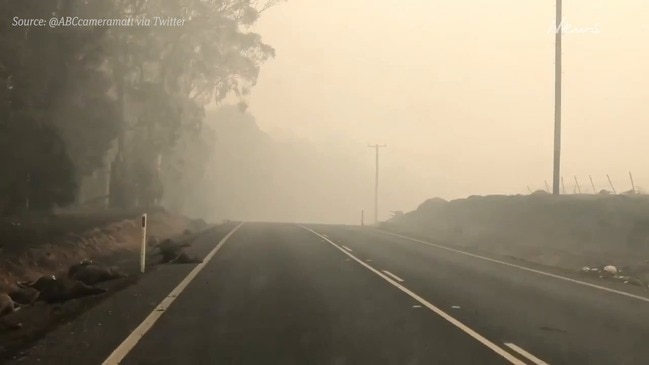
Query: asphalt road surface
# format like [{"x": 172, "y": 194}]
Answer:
[{"x": 291, "y": 294}]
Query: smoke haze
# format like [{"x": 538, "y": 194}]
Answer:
[{"x": 461, "y": 92}]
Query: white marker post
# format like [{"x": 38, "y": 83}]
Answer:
[{"x": 143, "y": 248}]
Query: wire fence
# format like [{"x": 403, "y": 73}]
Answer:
[{"x": 575, "y": 185}]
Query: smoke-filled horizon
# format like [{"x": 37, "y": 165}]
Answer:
[{"x": 461, "y": 92}]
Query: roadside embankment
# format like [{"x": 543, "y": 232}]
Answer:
[
  {"x": 30, "y": 248},
  {"x": 569, "y": 231},
  {"x": 37, "y": 247}
]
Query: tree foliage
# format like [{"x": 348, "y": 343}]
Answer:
[
  {"x": 52, "y": 95},
  {"x": 68, "y": 93}
]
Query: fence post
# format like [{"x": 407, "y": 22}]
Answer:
[
  {"x": 592, "y": 184},
  {"x": 611, "y": 183},
  {"x": 578, "y": 187},
  {"x": 632, "y": 182}
]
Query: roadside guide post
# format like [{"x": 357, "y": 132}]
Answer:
[{"x": 143, "y": 247}]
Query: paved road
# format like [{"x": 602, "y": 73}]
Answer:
[
  {"x": 283, "y": 294},
  {"x": 278, "y": 294},
  {"x": 558, "y": 321}
]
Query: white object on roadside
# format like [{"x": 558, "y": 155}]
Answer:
[
  {"x": 456, "y": 307},
  {"x": 610, "y": 269},
  {"x": 143, "y": 247},
  {"x": 585, "y": 269}
]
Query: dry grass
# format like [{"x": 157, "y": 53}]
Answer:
[{"x": 28, "y": 260}]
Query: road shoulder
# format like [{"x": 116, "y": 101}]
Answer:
[{"x": 94, "y": 334}]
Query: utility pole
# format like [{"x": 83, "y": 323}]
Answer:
[
  {"x": 376, "y": 183},
  {"x": 557, "y": 99}
]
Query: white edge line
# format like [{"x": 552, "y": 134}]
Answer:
[
  {"x": 393, "y": 276},
  {"x": 129, "y": 343},
  {"x": 526, "y": 354},
  {"x": 347, "y": 248},
  {"x": 497, "y": 349},
  {"x": 645, "y": 299}
]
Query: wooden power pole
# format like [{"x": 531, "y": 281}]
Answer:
[
  {"x": 376, "y": 183},
  {"x": 557, "y": 100}
]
